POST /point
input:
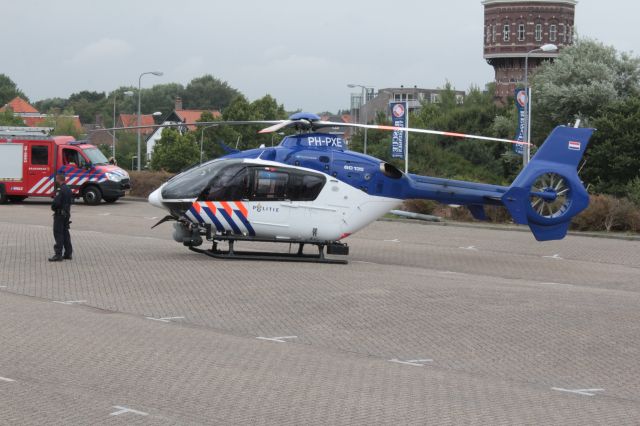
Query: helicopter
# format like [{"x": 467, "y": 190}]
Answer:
[{"x": 311, "y": 190}]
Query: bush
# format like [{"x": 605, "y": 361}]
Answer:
[
  {"x": 419, "y": 206},
  {"x": 607, "y": 213},
  {"x": 145, "y": 182},
  {"x": 633, "y": 191}
]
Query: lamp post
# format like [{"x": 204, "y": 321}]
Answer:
[
  {"x": 156, "y": 73},
  {"x": 527, "y": 106},
  {"x": 113, "y": 132},
  {"x": 202, "y": 138},
  {"x": 362, "y": 102}
]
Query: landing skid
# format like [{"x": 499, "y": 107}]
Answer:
[{"x": 299, "y": 256}]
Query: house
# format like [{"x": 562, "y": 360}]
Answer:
[
  {"x": 339, "y": 118},
  {"x": 180, "y": 115},
  {"x": 177, "y": 116},
  {"x": 31, "y": 116},
  {"x": 131, "y": 120}
]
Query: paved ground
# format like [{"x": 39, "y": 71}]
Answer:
[{"x": 428, "y": 324}]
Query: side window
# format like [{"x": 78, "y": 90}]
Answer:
[
  {"x": 39, "y": 155},
  {"x": 231, "y": 184},
  {"x": 70, "y": 157},
  {"x": 303, "y": 187},
  {"x": 269, "y": 184}
]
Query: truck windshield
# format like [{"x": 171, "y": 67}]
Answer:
[{"x": 95, "y": 156}]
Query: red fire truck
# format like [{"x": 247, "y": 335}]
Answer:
[{"x": 30, "y": 158}]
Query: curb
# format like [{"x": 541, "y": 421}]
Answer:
[{"x": 515, "y": 228}]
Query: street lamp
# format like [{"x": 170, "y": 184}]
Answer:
[
  {"x": 113, "y": 132},
  {"x": 156, "y": 73},
  {"x": 362, "y": 102},
  {"x": 202, "y": 138},
  {"x": 527, "y": 106}
]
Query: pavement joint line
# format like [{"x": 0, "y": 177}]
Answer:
[
  {"x": 69, "y": 302},
  {"x": 586, "y": 392},
  {"x": 469, "y": 248},
  {"x": 122, "y": 410},
  {"x": 413, "y": 362},
  {"x": 6, "y": 379},
  {"x": 164, "y": 319},
  {"x": 555, "y": 256},
  {"x": 277, "y": 339},
  {"x": 395, "y": 240}
]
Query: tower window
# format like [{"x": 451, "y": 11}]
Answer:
[
  {"x": 563, "y": 33},
  {"x": 493, "y": 35},
  {"x": 553, "y": 32},
  {"x": 538, "y": 32},
  {"x": 521, "y": 32},
  {"x": 505, "y": 32}
]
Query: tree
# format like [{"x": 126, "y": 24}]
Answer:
[
  {"x": 613, "y": 155},
  {"x": 161, "y": 97},
  {"x": 175, "y": 152},
  {"x": 88, "y": 105},
  {"x": 51, "y": 105},
  {"x": 8, "y": 119},
  {"x": 582, "y": 80},
  {"x": 207, "y": 92},
  {"x": 63, "y": 124},
  {"x": 9, "y": 90}
]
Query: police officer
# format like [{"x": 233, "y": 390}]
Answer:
[{"x": 61, "y": 207}]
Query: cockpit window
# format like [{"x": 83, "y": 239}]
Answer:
[{"x": 192, "y": 183}]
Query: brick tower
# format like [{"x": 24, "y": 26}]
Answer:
[{"x": 514, "y": 27}]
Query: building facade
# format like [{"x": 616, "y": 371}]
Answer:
[
  {"x": 379, "y": 101},
  {"x": 512, "y": 28}
]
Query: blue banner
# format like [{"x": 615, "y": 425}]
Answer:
[
  {"x": 399, "y": 113},
  {"x": 521, "y": 101}
]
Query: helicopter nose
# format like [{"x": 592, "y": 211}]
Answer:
[{"x": 155, "y": 198}]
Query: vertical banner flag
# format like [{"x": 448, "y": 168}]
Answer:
[
  {"x": 521, "y": 101},
  {"x": 398, "y": 119}
]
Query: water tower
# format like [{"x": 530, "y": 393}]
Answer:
[{"x": 512, "y": 28}]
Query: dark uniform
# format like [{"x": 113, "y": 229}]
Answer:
[{"x": 61, "y": 207}]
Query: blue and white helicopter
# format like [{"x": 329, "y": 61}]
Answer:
[{"x": 311, "y": 190}]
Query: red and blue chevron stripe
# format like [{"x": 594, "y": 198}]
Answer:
[{"x": 224, "y": 215}]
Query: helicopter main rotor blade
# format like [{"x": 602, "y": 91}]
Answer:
[
  {"x": 196, "y": 123},
  {"x": 318, "y": 124},
  {"x": 277, "y": 126}
]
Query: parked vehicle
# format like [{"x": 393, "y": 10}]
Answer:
[{"x": 30, "y": 158}]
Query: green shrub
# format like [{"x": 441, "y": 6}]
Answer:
[
  {"x": 633, "y": 191},
  {"x": 145, "y": 182}
]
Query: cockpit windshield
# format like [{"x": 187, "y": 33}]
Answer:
[{"x": 192, "y": 183}]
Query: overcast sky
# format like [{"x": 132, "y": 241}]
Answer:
[{"x": 303, "y": 53}]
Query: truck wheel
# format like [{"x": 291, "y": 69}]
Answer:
[
  {"x": 16, "y": 199},
  {"x": 3, "y": 195},
  {"x": 92, "y": 195},
  {"x": 110, "y": 199}
]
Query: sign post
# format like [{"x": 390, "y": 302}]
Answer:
[
  {"x": 521, "y": 102},
  {"x": 400, "y": 138}
]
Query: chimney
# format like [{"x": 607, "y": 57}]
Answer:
[{"x": 178, "y": 103}]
